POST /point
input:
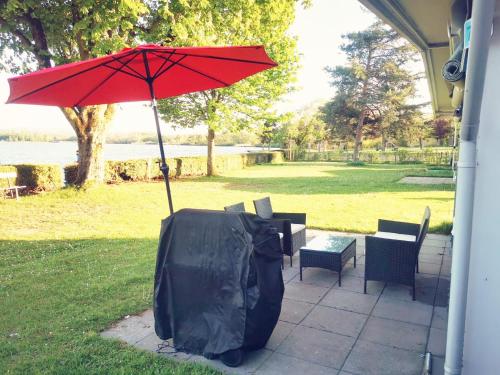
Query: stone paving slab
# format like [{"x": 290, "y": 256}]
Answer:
[
  {"x": 279, "y": 364},
  {"x": 395, "y": 334},
  {"x": 294, "y": 311},
  {"x": 373, "y": 359},
  {"x": 320, "y": 347},
  {"x": 350, "y": 301},
  {"x": 327, "y": 329}
]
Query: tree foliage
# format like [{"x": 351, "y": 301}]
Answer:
[
  {"x": 374, "y": 85},
  {"x": 40, "y": 34},
  {"x": 234, "y": 22},
  {"x": 441, "y": 129}
]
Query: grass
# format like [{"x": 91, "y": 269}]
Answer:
[{"x": 72, "y": 262}]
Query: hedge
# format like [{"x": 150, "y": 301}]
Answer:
[
  {"x": 39, "y": 177},
  {"x": 427, "y": 156},
  {"x": 148, "y": 169}
]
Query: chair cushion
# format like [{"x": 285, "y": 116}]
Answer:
[
  {"x": 396, "y": 236},
  {"x": 297, "y": 228},
  {"x": 263, "y": 208},
  {"x": 238, "y": 207}
]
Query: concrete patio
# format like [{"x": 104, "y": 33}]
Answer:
[{"x": 327, "y": 329}]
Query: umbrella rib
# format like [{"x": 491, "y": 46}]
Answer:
[
  {"x": 105, "y": 79},
  {"x": 124, "y": 72},
  {"x": 63, "y": 79},
  {"x": 157, "y": 73},
  {"x": 222, "y": 58},
  {"x": 178, "y": 62},
  {"x": 174, "y": 63},
  {"x": 129, "y": 67}
]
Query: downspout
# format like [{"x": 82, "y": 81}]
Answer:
[{"x": 482, "y": 19}]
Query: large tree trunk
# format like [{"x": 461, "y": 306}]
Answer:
[
  {"x": 359, "y": 135},
  {"x": 210, "y": 152},
  {"x": 90, "y": 125}
]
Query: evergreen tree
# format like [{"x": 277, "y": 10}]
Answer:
[{"x": 372, "y": 86}]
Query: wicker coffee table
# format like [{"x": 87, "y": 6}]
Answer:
[{"x": 329, "y": 252}]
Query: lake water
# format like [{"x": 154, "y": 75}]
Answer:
[{"x": 65, "y": 152}]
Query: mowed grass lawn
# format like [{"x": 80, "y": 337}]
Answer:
[{"x": 73, "y": 262}]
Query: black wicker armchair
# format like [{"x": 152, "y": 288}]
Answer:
[
  {"x": 392, "y": 253},
  {"x": 292, "y": 225}
]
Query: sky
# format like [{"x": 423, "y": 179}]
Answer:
[{"x": 319, "y": 31}]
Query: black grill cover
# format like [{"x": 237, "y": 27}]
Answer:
[{"x": 218, "y": 282}]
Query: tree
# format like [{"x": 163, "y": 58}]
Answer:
[
  {"x": 442, "y": 129},
  {"x": 40, "y": 34},
  {"x": 374, "y": 83},
  {"x": 249, "y": 102}
]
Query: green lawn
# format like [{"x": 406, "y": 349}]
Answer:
[{"x": 72, "y": 262}]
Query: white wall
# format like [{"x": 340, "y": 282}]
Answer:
[{"x": 482, "y": 337}]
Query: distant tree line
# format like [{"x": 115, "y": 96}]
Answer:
[
  {"x": 372, "y": 103},
  {"x": 225, "y": 138}
]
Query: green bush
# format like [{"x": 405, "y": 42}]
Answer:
[
  {"x": 70, "y": 172},
  {"x": 358, "y": 163},
  {"x": 39, "y": 177},
  {"x": 277, "y": 157},
  {"x": 191, "y": 166},
  {"x": 148, "y": 169}
]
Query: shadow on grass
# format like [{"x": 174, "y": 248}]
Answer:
[{"x": 58, "y": 295}]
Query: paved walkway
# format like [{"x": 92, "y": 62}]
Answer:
[{"x": 327, "y": 329}]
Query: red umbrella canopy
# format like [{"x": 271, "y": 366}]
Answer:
[{"x": 126, "y": 75}]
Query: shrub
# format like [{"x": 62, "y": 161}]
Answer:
[
  {"x": 356, "y": 163},
  {"x": 70, "y": 172},
  {"x": 191, "y": 166},
  {"x": 277, "y": 157},
  {"x": 39, "y": 177}
]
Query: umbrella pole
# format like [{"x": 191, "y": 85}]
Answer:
[{"x": 163, "y": 167}]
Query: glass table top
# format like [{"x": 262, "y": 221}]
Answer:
[{"x": 329, "y": 243}]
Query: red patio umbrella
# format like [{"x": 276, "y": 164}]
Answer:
[{"x": 147, "y": 72}]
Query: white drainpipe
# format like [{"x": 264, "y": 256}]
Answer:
[{"x": 482, "y": 19}]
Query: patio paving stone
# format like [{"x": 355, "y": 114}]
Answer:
[
  {"x": 359, "y": 271},
  {"x": 374, "y": 359},
  {"x": 405, "y": 311},
  {"x": 430, "y": 258},
  {"x": 130, "y": 330},
  {"x": 343, "y": 322},
  {"x": 294, "y": 311},
  {"x": 280, "y": 333},
  {"x": 317, "y": 276},
  {"x": 429, "y": 268},
  {"x": 289, "y": 273},
  {"x": 440, "y": 317},
  {"x": 320, "y": 347},
  {"x": 351, "y": 301},
  {"x": 437, "y": 365},
  {"x": 355, "y": 284},
  {"x": 279, "y": 364},
  {"x": 437, "y": 342},
  {"x": 425, "y": 290},
  {"x": 304, "y": 292},
  {"x": 396, "y": 334},
  {"x": 251, "y": 362}
]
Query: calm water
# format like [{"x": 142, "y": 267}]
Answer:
[{"x": 65, "y": 152}]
